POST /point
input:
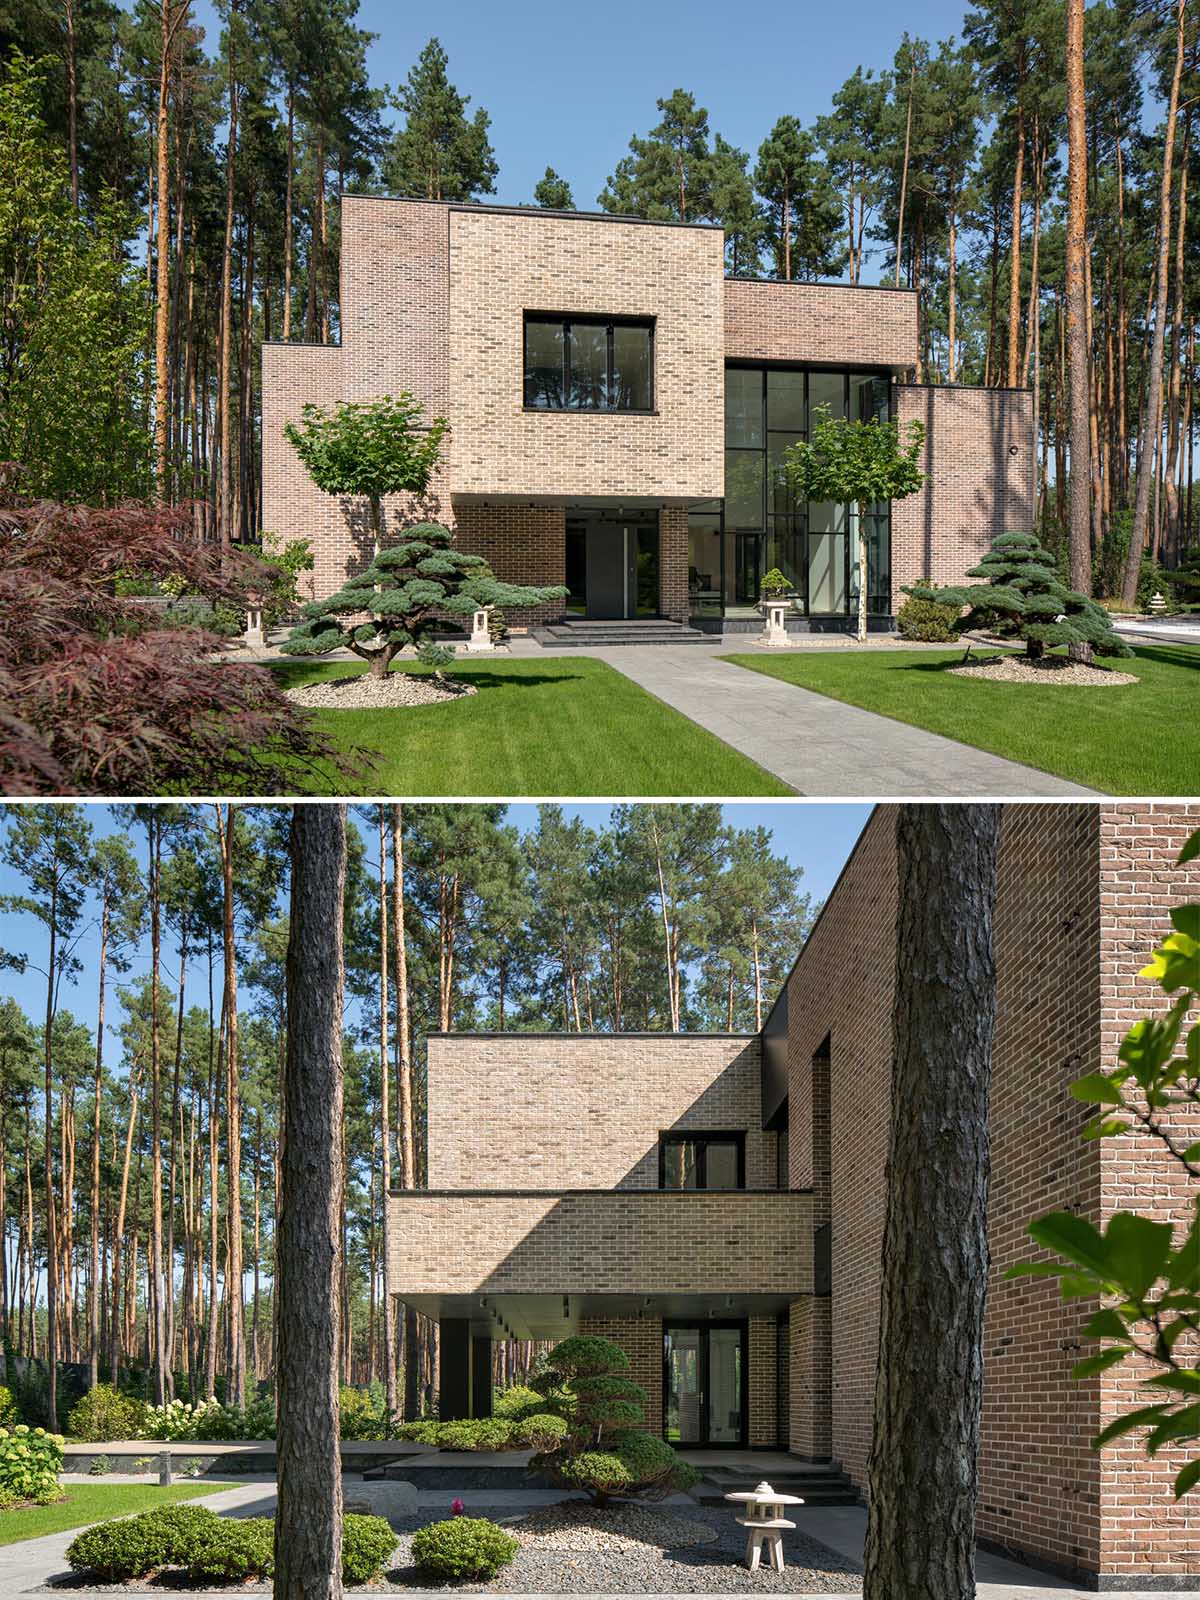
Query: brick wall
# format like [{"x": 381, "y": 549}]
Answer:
[
  {"x": 835, "y": 324},
  {"x": 623, "y": 1242},
  {"x": 641, "y": 1338},
  {"x": 502, "y": 265},
  {"x": 976, "y": 486},
  {"x": 1144, "y": 1529},
  {"x": 585, "y": 1110}
]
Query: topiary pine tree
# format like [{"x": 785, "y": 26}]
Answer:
[
  {"x": 403, "y": 597},
  {"x": 1024, "y": 598}
]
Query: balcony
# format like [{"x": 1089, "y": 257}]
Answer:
[{"x": 538, "y": 1260}]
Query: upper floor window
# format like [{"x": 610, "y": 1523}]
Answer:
[
  {"x": 702, "y": 1161},
  {"x": 589, "y": 363}
]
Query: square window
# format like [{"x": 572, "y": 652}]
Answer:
[{"x": 588, "y": 364}]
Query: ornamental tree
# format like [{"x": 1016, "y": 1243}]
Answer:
[
  {"x": 859, "y": 462},
  {"x": 403, "y": 597},
  {"x": 607, "y": 1450},
  {"x": 1023, "y": 598},
  {"x": 371, "y": 448}
]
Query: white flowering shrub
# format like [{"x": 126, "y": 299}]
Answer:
[
  {"x": 30, "y": 1462},
  {"x": 178, "y": 1420}
]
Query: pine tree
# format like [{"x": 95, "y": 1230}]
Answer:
[
  {"x": 440, "y": 153},
  {"x": 1024, "y": 598},
  {"x": 667, "y": 176},
  {"x": 553, "y": 193},
  {"x": 736, "y": 209},
  {"x": 405, "y": 592},
  {"x": 801, "y": 204}
]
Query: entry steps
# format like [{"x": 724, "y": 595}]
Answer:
[
  {"x": 820, "y": 1483},
  {"x": 593, "y": 634}
]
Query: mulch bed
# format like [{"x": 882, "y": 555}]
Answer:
[{"x": 365, "y": 693}]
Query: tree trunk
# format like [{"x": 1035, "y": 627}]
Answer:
[
  {"x": 1151, "y": 425},
  {"x": 72, "y": 65},
  {"x": 912, "y": 78},
  {"x": 287, "y": 213},
  {"x": 1014, "y": 272},
  {"x": 233, "y": 1129},
  {"x": 48, "y": 1165},
  {"x": 408, "y": 1163},
  {"x": 862, "y": 571},
  {"x": 385, "y": 1135},
  {"x": 308, "y": 1522},
  {"x": 94, "y": 1274},
  {"x": 224, "y": 391},
  {"x": 156, "y": 1321},
  {"x": 1077, "y": 317},
  {"x": 923, "y": 1470}
]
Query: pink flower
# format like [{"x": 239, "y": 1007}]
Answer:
[{"x": 457, "y": 1508}]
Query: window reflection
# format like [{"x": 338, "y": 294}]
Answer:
[{"x": 588, "y": 364}]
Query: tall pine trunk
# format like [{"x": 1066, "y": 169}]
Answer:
[
  {"x": 923, "y": 1471},
  {"x": 1077, "y": 316}
]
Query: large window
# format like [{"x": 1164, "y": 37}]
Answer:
[
  {"x": 760, "y": 526},
  {"x": 702, "y": 1161},
  {"x": 588, "y": 363}
]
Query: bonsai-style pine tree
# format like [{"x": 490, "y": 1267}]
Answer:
[
  {"x": 1024, "y": 598},
  {"x": 402, "y": 598},
  {"x": 860, "y": 462},
  {"x": 607, "y": 1450},
  {"x": 371, "y": 448}
]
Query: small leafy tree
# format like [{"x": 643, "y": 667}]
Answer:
[
  {"x": 402, "y": 597},
  {"x": 1024, "y": 598},
  {"x": 1146, "y": 1276},
  {"x": 859, "y": 462},
  {"x": 606, "y": 1450},
  {"x": 775, "y": 583},
  {"x": 371, "y": 448}
]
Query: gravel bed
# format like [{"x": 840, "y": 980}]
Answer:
[
  {"x": 717, "y": 1567},
  {"x": 396, "y": 690},
  {"x": 577, "y": 1525},
  {"x": 1053, "y": 669}
]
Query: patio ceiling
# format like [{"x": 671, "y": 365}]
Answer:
[{"x": 553, "y": 1316}]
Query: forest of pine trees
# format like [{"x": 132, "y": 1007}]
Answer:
[
  {"x": 170, "y": 201},
  {"x": 140, "y": 1150}
]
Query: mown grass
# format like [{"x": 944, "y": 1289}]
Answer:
[
  {"x": 87, "y": 1503},
  {"x": 1143, "y": 739},
  {"x": 536, "y": 727}
]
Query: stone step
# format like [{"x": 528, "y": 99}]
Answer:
[{"x": 588, "y": 634}]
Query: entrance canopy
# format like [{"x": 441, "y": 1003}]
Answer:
[{"x": 554, "y": 1316}]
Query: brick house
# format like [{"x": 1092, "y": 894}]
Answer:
[
  {"x": 618, "y": 414},
  {"x": 715, "y": 1203}
]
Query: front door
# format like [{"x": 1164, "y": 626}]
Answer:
[
  {"x": 612, "y": 564},
  {"x": 705, "y": 1384}
]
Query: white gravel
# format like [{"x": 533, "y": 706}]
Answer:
[
  {"x": 363, "y": 692},
  {"x": 580, "y": 1526},
  {"x": 1052, "y": 669}
]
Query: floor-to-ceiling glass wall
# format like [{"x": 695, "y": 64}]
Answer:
[{"x": 760, "y": 539}]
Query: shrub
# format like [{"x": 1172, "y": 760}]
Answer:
[
  {"x": 184, "y": 1529},
  {"x": 928, "y": 621},
  {"x": 30, "y": 1462},
  {"x": 225, "y": 620},
  {"x": 774, "y": 585},
  {"x": 235, "y": 1548},
  {"x": 540, "y": 1432},
  {"x": 517, "y": 1402},
  {"x": 105, "y": 1413},
  {"x": 476, "y": 1433},
  {"x": 9, "y": 1414},
  {"x": 357, "y": 1416},
  {"x": 463, "y": 1547},
  {"x": 423, "y": 1432},
  {"x": 113, "y": 1552},
  {"x": 98, "y": 1466},
  {"x": 177, "y": 1420},
  {"x": 585, "y": 1355},
  {"x": 368, "y": 1544}
]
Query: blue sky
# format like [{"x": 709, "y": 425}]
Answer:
[
  {"x": 814, "y": 837},
  {"x": 566, "y": 84}
]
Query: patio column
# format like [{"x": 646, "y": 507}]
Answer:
[
  {"x": 454, "y": 1347},
  {"x": 481, "y": 1375}
]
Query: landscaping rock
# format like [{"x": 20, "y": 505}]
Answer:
[
  {"x": 1051, "y": 669},
  {"x": 392, "y": 1498},
  {"x": 364, "y": 692},
  {"x": 578, "y": 1525}
]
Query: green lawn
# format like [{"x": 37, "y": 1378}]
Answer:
[
  {"x": 1143, "y": 739},
  {"x": 94, "y": 1502},
  {"x": 552, "y": 727}
]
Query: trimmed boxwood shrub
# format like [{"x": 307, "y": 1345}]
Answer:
[
  {"x": 463, "y": 1547},
  {"x": 30, "y": 1462},
  {"x": 105, "y": 1413},
  {"x": 928, "y": 621},
  {"x": 368, "y": 1544},
  {"x": 423, "y": 1432},
  {"x": 234, "y": 1548},
  {"x": 585, "y": 1355},
  {"x": 516, "y": 1403},
  {"x": 540, "y": 1432},
  {"x": 116, "y": 1551},
  {"x": 476, "y": 1433}
]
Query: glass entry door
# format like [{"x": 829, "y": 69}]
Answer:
[
  {"x": 704, "y": 1384},
  {"x": 612, "y": 565}
]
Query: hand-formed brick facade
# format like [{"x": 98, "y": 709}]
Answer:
[
  {"x": 433, "y": 298},
  {"x": 1084, "y": 893}
]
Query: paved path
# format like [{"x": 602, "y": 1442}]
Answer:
[{"x": 817, "y": 745}]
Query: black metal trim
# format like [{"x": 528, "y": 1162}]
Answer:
[
  {"x": 542, "y": 1194},
  {"x": 703, "y": 1328},
  {"x": 702, "y": 1137}
]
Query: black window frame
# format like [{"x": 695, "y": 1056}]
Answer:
[
  {"x": 565, "y": 321},
  {"x": 702, "y": 1137}
]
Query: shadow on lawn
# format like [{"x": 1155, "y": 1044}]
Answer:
[
  {"x": 295, "y": 676},
  {"x": 1177, "y": 655}
]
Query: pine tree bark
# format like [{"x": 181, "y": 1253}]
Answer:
[
  {"x": 1014, "y": 271},
  {"x": 308, "y": 1523},
  {"x": 385, "y": 1135},
  {"x": 923, "y": 1470},
  {"x": 233, "y": 1120},
  {"x": 97, "y": 1081},
  {"x": 1151, "y": 420},
  {"x": 1077, "y": 316},
  {"x": 408, "y": 1159}
]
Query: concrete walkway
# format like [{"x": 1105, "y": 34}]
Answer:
[{"x": 817, "y": 745}]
